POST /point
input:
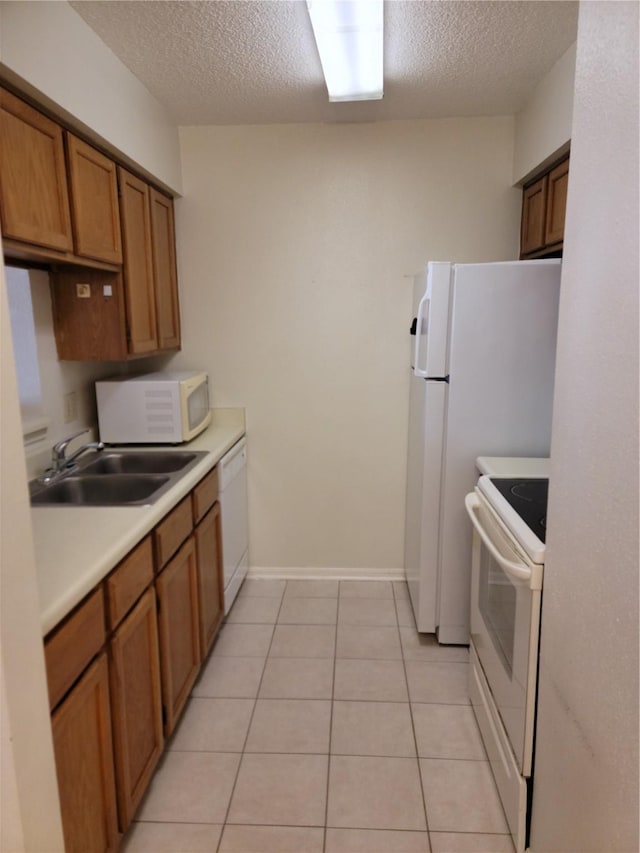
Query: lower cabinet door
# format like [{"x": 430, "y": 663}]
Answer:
[
  {"x": 82, "y": 742},
  {"x": 210, "y": 583},
  {"x": 136, "y": 704},
  {"x": 177, "y": 588}
]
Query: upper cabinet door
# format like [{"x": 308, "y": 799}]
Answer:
[
  {"x": 94, "y": 202},
  {"x": 165, "y": 273},
  {"x": 138, "y": 265},
  {"x": 34, "y": 204},
  {"x": 556, "y": 203},
  {"x": 534, "y": 205}
]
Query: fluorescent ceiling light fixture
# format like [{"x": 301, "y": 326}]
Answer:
[{"x": 349, "y": 38}]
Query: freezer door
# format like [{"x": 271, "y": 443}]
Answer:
[
  {"x": 501, "y": 360},
  {"x": 426, "y": 434},
  {"x": 431, "y": 296}
]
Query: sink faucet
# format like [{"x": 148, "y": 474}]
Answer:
[{"x": 60, "y": 462}]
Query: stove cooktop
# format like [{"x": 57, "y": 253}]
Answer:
[{"x": 528, "y": 497}]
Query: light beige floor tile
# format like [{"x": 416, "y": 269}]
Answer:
[
  {"x": 367, "y": 611},
  {"x": 254, "y": 610},
  {"x": 172, "y": 838},
  {"x": 297, "y": 678},
  {"x": 442, "y": 683},
  {"x": 405, "y": 613},
  {"x": 447, "y": 731},
  {"x": 308, "y": 611},
  {"x": 376, "y": 841},
  {"x": 281, "y": 790},
  {"x": 308, "y": 641},
  {"x": 367, "y": 641},
  {"x": 461, "y": 796},
  {"x": 312, "y": 589},
  {"x": 370, "y": 680},
  {"x": 243, "y": 641},
  {"x": 213, "y": 725},
  {"x": 417, "y": 646},
  {"x": 461, "y": 842},
  {"x": 191, "y": 787},
  {"x": 366, "y": 589},
  {"x": 230, "y": 678},
  {"x": 267, "y": 588},
  {"x": 400, "y": 591},
  {"x": 372, "y": 728},
  {"x": 290, "y": 725},
  {"x": 375, "y": 793},
  {"x": 272, "y": 839}
]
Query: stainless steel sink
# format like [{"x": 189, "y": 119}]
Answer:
[
  {"x": 136, "y": 462},
  {"x": 122, "y": 478},
  {"x": 101, "y": 490}
]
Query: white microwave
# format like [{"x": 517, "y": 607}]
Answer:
[{"x": 169, "y": 407}]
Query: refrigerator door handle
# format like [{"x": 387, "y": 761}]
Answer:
[{"x": 420, "y": 320}]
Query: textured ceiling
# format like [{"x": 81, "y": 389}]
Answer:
[{"x": 255, "y": 61}]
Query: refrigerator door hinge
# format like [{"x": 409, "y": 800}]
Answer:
[{"x": 437, "y": 378}]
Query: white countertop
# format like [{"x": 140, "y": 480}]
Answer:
[
  {"x": 513, "y": 466},
  {"x": 76, "y": 547}
]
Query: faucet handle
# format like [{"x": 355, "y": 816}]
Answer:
[{"x": 58, "y": 451}]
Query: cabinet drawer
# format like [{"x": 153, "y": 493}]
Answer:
[
  {"x": 128, "y": 581},
  {"x": 205, "y": 495},
  {"x": 172, "y": 532},
  {"x": 68, "y": 651}
]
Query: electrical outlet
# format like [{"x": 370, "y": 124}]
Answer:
[{"x": 70, "y": 407}]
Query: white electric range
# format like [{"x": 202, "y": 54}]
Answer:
[{"x": 508, "y": 512}]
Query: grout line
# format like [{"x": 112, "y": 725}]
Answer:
[
  {"x": 413, "y": 728},
  {"x": 333, "y": 693},
  {"x": 253, "y": 710}
]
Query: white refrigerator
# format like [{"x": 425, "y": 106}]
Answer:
[{"x": 482, "y": 370}]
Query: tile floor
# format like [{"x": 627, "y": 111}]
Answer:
[{"x": 324, "y": 723}]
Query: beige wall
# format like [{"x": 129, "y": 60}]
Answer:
[
  {"x": 49, "y": 47},
  {"x": 586, "y": 766},
  {"x": 296, "y": 248},
  {"x": 28, "y": 791},
  {"x": 543, "y": 127}
]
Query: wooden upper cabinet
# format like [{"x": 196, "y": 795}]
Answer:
[
  {"x": 543, "y": 211},
  {"x": 138, "y": 265},
  {"x": 94, "y": 202},
  {"x": 34, "y": 204},
  {"x": 556, "y": 203},
  {"x": 82, "y": 743},
  {"x": 534, "y": 211},
  {"x": 165, "y": 272}
]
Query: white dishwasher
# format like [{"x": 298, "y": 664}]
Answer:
[{"x": 232, "y": 485}]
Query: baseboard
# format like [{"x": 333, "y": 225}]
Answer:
[{"x": 325, "y": 573}]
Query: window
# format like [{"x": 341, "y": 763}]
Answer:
[{"x": 34, "y": 420}]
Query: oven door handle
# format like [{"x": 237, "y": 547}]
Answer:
[{"x": 519, "y": 571}]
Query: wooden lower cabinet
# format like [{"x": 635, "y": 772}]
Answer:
[
  {"x": 178, "y": 629},
  {"x": 82, "y": 743},
  {"x": 136, "y": 704},
  {"x": 208, "y": 536}
]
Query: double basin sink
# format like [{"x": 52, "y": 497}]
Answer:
[{"x": 122, "y": 478}]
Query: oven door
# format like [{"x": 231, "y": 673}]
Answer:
[{"x": 505, "y": 624}]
